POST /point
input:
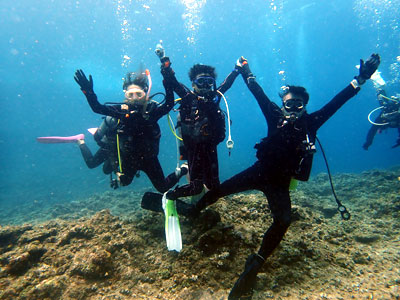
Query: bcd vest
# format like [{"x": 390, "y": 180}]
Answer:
[
  {"x": 138, "y": 134},
  {"x": 205, "y": 123},
  {"x": 288, "y": 150}
]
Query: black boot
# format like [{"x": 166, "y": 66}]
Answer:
[
  {"x": 245, "y": 284},
  {"x": 186, "y": 209}
]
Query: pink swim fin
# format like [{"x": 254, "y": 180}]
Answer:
[{"x": 60, "y": 139}]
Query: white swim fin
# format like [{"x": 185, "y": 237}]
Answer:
[
  {"x": 92, "y": 130},
  {"x": 377, "y": 79},
  {"x": 172, "y": 227}
]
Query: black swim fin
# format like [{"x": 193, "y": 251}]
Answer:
[{"x": 152, "y": 201}]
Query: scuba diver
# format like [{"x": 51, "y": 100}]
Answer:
[
  {"x": 389, "y": 116},
  {"x": 285, "y": 154},
  {"x": 137, "y": 131},
  {"x": 105, "y": 136},
  {"x": 201, "y": 124}
]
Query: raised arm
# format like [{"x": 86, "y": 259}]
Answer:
[
  {"x": 169, "y": 101},
  {"x": 266, "y": 105},
  {"x": 169, "y": 74},
  {"x": 229, "y": 80},
  {"x": 366, "y": 70},
  {"x": 87, "y": 89}
]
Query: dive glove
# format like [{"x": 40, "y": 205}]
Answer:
[
  {"x": 243, "y": 68},
  {"x": 368, "y": 68},
  {"x": 85, "y": 84}
]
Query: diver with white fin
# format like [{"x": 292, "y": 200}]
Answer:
[
  {"x": 201, "y": 125},
  {"x": 389, "y": 112}
]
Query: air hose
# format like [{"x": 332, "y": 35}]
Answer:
[{"x": 341, "y": 208}]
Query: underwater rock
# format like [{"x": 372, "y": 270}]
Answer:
[
  {"x": 329, "y": 212},
  {"x": 10, "y": 235},
  {"x": 367, "y": 239},
  {"x": 94, "y": 263},
  {"x": 19, "y": 264},
  {"x": 209, "y": 241},
  {"x": 208, "y": 219},
  {"x": 106, "y": 247},
  {"x": 51, "y": 288},
  {"x": 79, "y": 232}
]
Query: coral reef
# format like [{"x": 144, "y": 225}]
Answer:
[{"x": 107, "y": 247}]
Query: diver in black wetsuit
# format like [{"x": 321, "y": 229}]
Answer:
[
  {"x": 389, "y": 117},
  {"x": 202, "y": 124},
  {"x": 138, "y": 133},
  {"x": 286, "y": 153},
  {"x": 105, "y": 136}
]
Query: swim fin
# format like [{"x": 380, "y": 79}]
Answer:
[
  {"x": 293, "y": 184},
  {"x": 377, "y": 79},
  {"x": 92, "y": 130},
  {"x": 172, "y": 227},
  {"x": 152, "y": 201},
  {"x": 60, "y": 139}
]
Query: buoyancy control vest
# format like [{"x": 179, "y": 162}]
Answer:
[
  {"x": 202, "y": 122},
  {"x": 139, "y": 133},
  {"x": 288, "y": 150},
  {"x": 105, "y": 134}
]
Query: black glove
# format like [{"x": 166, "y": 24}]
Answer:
[
  {"x": 368, "y": 68},
  {"x": 167, "y": 72},
  {"x": 165, "y": 63},
  {"x": 85, "y": 84},
  {"x": 242, "y": 67}
]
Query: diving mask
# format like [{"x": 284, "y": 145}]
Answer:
[
  {"x": 204, "y": 82},
  {"x": 293, "y": 109},
  {"x": 134, "y": 94},
  {"x": 293, "y": 105}
]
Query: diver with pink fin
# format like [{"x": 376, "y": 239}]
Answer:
[{"x": 138, "y": 134}]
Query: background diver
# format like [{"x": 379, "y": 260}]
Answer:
[
  {"x": 389, "y": 116},
  {"x": 138, "y": 133},
  {"x": 286, "y": 153},
  {"x": 104, "y": 135}
]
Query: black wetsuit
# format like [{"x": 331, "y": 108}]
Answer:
[
  {"x": 390, "y": 114},
  {"x": 105, "y": 137},
  {"x": 202, "y": 126},
  {"x": 284, "y": 154},
  {"x": 139, "y": 137}
]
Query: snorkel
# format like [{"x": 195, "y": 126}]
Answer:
[{"x": 150, "y": 84}]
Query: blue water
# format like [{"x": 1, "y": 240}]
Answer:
[{"x": 311, "y": 43}]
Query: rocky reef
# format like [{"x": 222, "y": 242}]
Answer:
[{"x": 107, "y": 247}]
